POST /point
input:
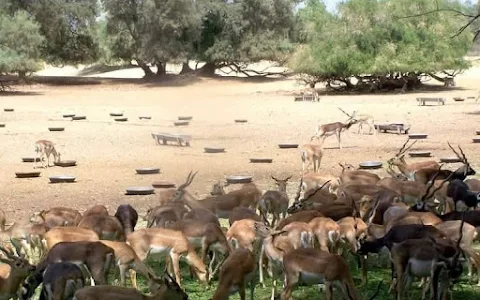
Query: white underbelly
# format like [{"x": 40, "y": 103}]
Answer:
[
  {"x": 159, "y": 249},
  {"x": 420, "y": 268}
]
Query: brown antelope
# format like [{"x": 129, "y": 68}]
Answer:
[
  {"x": 243, "y": 234},
  {"x": 473, "y": 184},
  {"x": 327, "y": 232},
  {"x": 57, "y": 216},
  {"x": 247, "y": 196},
  {"x": 147, "y": 241},
  {"x": 409, "y": 191},
  {"x": 127, "y": 260},
  {"x": 106, "y": 227},
  {"x": 311, "y": 154},
  {"x": 165, "y": 213},
  {"x": 25, "y": 236},
  {"x": 167, "y": 289},
  {"x": 3, "y": 220},
  {"x": 313, "y": 180},
  {"x": 240, "y": 213},
  {"x": 236, "y": 272},
  {"x": 96, "y": 210},
  {"x": 361, "y": 120},
  {"x": 301, "y": 216},
  {"x": 409, "y": 170},
  {"x": 351, "y": 175},
  {"x": 275, "y": 202},
  {"x": 314, "y": 266},
  {"x": 128, "y": 217},
  {"x": 300, "y": 234},
  {"x": 44, "y": 149},
  {"x": 13, "y": 272},
  {"x": 59, "y": 281},
  {"x": 202, "y": 215},
  {"x": 68, "y": 234},
  {"x": 326, "y": 130}
]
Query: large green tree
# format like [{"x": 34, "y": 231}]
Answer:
[{"x": 378, "y": 44}]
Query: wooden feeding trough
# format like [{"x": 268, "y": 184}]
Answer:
[
  {"x": 56, "y": 128},
  {"x": 458, "y": 99},
  {"x": 31, "y": 174},
  {"x": 214, "y": 150},
  {"x": 8, "y": 109},
  {"x": 261, "y": 160},
  {"x": 30, "y": 159},
  {"x": 477, "y": 132},
  {"x": 450, "y": 160},
  {"x": 68, "y": 115},
  {"x": 62, "y": 178},
  {"x": 241, "y": 121},
  {"x": 76, "y": 118},
  {"x": 234, "y": 179},
  {"x": 170, "y": 137},
  {"x": 140, "y": 190},
  {"x": 287, "y": 146},
  {"x": 145, "y": 118},
  {"x": 146, "y": 171},
  {"x": 65, "y": 163},
  {"x": 476, "y": 140},
  {"x": 163, "y": 184},
  {"x": 420, "y": 154},
  {"x": 370, "y": 165},
  {"x": 185, "y": 118},
  {"x": 2, "y": 125},
  {"x": 116, "y": 114},
  {"x": 121, "y": 119},
  {"x": 181, "y": 123},
  {"x": 417, "y": 136}
]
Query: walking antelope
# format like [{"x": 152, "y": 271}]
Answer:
[
  {"x": 336, "y": 128},
  {"x": 45, "y": 148},
  {"x": 311, "y": 153},
  {"x": 361, "y": 120}
]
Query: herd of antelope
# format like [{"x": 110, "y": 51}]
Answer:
[{"x": 424, "y": 217}]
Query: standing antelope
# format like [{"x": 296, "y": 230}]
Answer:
[
  {"x": 361, "y": 120},
  {"x": 336, "y": 128},
  {"x": 311, "y": 153},
  {"x": 45, "y": 148},
  {"x": 275, "y": 202}
]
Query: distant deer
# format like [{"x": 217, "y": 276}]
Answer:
[
  {"x": 45, "y": 148},
  {"x": 326, "y": 130},
  {"x": 311, "y": 91},
  {"x": 311, "y": 153},
  {"x": 361, "y": 120}
]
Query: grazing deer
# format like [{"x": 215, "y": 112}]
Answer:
[
  {"x": 326, "y": 130},
  {"x": 167, "y": 289},
  {"x": 13, "y": 272},
  {"x": 59, "y": 281},
  {"x": 106, "y": 227},
  {"x": 409, "y": 170},
  {"x": 275, "y": 202},
  {"x": 147, "y": 241},
  {"x": 44, "y": 148},
  {"x": 128, "y": 217},
  {"x": 311, "y": 153},
  {"x": 236, "y": 272},
  {"x": 361, "y": 120}
]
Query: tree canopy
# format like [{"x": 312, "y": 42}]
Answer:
[{"x": 380, "y": 43}]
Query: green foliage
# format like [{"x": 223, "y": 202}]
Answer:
[
  {"x": 20, "y": 40},
  {"x": 376, "y": 37}
]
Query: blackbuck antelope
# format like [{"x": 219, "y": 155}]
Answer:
[
  {"x": 361, "y": 119},
  {"x": 326, "y": 130},
  {"x": 236, "y": 273},
  {"x": 166, "y": 289},
  {"x": 59, "y": 281},
  {"x": 459, "y": 191},
  {"x": 169, "y": 242},
  {"x": 247, "y": 196},
  {"x": 311, "y": 154},
  {"x": 241, "y": 213},
  {"x": 128, "y": 217},
  {"x": 44, "y": 149},
  {"x": 406, "y": 169},
  {"x": 275, "y": 202},
  {"x": 13, "y": 272},
  {"x": 314, "y": 266}
]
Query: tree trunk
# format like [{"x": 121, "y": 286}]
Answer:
[
  {"x": 208, "y": 69},
  {"x": 22, "y": 74},
  {"x": 185, "y": 68},
  {"x": 146, "y": 69},
  {"x": 161, "y": 69}
]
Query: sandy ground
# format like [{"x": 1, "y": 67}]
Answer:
[{"x": 108, "y": 152}]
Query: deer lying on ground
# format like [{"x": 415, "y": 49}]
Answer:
[
  {"x": 326, "y": 130},
  {"x": 311, "y": 154},
  {"x": 409, "y": 170},
  {"x": 59, "y": 281},
  {"x": 361, "y": 120},
  {"x": 275, "y": 202},
  {"x": 13, "y": 272},
  {"x": 147, "y": 241},
  {"x": 128, "y": 217},
  {"x": 95, "y": 256},
  {"x": 166, "y": 289},
  {"x": 236, "y": 272},
  {"x": 44, "y": 149}
]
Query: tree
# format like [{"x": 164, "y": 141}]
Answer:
[
  {"x": 66, "y": 25},
  {"x": 20, "y": 39},
  {"x": 152, "y": 31},
  {"x": 236, "y": 33},
  {"x": 373, "y": 42}
]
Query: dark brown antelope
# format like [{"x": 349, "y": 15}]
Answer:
[{"x": 275, "y": 202}]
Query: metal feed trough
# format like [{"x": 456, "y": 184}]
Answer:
[
  {"x": 169, "y": 137},
  {"x": 423, "y": 101}
]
